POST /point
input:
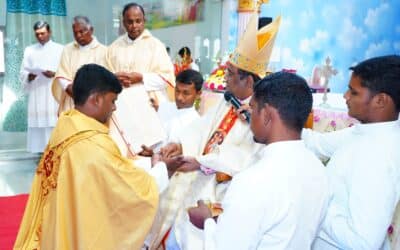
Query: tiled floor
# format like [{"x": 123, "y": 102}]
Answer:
[
  {"x": 16, "y": 171},
  {"x": 16, "y": 165}
]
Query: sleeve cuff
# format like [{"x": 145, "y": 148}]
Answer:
[
  {"x": 153, "y": 81},
  {"x": 63, "y": 83},
  {"x": 160, "y": 173}
]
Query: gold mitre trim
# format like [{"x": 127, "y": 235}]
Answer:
[{"x": 255, "y": 47}]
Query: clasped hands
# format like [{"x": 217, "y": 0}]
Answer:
[
  {"x": 171, "y": 154},
  {"x": 47, "y": 73},
  {"x": 128, "y": 78}
]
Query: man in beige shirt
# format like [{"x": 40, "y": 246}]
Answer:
[{"x": 85, "y": 49}]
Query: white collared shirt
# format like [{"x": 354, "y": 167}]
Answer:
[
  {"x": 174, "y": 120},
  {"x": 364, "y": 173},
  {"x": 277, "y": 202}
]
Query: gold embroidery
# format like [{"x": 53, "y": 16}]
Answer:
[{"x": 48, "y": 169}]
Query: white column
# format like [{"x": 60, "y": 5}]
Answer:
[
  {"x": 228, "y": 6},
  {"x": 243, "y": 19}
]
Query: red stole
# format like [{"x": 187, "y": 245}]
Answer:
[{"x": 218, "y": 137}]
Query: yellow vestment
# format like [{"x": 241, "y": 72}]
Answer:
[
  {"x": 72, "y": 58},
  {"x": 85, "y": 195}
]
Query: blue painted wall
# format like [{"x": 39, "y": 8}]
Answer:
[{"x": 346, "y": 31}]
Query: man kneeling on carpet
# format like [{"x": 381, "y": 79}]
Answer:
[{"x": 85, "y": 195}]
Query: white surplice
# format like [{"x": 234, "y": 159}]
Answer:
[
  {"x": 364, "y": 173},
  {"x": 278, "y": 202},
  {"x": 42, "y": 107},
  {"x": 186, "y": 188},
  {"x": 174, "y": 120}
]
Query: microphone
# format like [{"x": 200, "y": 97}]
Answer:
[{"x": 229, "y": 97}]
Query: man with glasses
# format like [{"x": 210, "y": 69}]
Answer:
[{"x": 85, "y": 49}]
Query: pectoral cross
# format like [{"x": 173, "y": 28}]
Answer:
[{"x": 327, "y": 71}]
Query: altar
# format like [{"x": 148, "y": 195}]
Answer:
[{"x": 332, "y": 116}]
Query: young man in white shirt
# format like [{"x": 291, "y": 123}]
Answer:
[
  {"x": 364, "y": 165},
  {"x": 175, "y": 116},
  {"x": 279, "y": 201}
]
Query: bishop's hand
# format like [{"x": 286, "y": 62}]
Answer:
[
  {"x": 189, "y": 164},
  {"x": 171, "y": 149},
  {"x": 241, "y": 110},
  {"x": 172, "y": 163}
]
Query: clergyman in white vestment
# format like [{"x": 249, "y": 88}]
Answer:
[
  {"x": 38, "y": 68},
  {"x": 84, "y": 50},
  {"x": 144, "y": 68}
]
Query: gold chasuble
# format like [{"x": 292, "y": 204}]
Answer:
[{"x": 85, "y": 195}]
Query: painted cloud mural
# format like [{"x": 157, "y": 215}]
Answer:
[{"x": 346, "y": 31}]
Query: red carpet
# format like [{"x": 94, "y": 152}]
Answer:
[{"x": 11, "y": 212}]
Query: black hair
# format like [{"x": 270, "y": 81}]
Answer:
[
  {"x": 243, "y": 73},
  {"x": 184, "y": 50},
  {"x": 93, "y": 78},
  {"x": 381, "y": 75},
  {"x": 289, "y": 94},
  {"x": 190, "y": 76},
  {"x": 40, "y": 24},
  {"x": 132, "y": 5}
]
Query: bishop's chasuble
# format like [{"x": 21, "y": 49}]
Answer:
[
  {"x": 186, "y": 188},
  {"x": 85, "y": 195},
  {"x": 72, "y": 58}
]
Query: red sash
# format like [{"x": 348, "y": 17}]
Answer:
[{"x": 223, "y": 129}]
